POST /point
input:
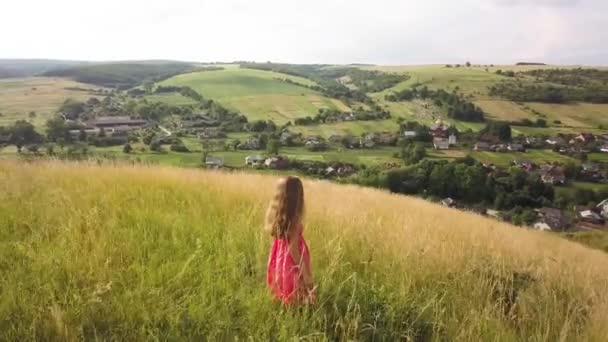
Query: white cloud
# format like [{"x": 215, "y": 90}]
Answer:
[{"x": 329, "y": 31}]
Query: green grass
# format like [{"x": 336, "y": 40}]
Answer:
[
  {"x": 174, "y": 99},
  {"x": 257, "y": 94},
  {"x": 133, "y": 253},
  {"x": 505, "y": 158},
  {"x": 595, "y": 239}
]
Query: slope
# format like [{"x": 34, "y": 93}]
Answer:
[
  {"x": 261, "y": 95},
  {"x": 134, "y": 253}
]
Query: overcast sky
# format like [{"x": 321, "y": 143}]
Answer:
[{"x": 309, "y": 31}]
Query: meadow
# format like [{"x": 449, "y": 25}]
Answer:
[
  {"x": 119, "y": 252},
  {"x": 42, "y": 95},
  {"x": 257, "y": 93}
]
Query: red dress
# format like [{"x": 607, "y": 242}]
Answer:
[{"x": 284, "y": 275}]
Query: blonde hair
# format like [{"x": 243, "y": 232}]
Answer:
[{"x": 286, "y": 209}]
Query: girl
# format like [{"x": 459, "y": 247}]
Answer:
[{"x": 289, "y": 276}]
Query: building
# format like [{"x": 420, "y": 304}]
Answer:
[
  {"x": 410, "y": 134},
  {"x": 553, "y": 175},
  {"x": 254, "y": 160},
  {"x": 585, "y": 138},
  {"x": 590, "y": 216},
  {"x": 481, "y": 146},
  {"x": 278, "y": 163},
  {"x": 604, "y": 148},
  {"x": 441, "y": 143},
  {"x": 550, "y": 219},
  {"x": 214, "y": 162},
  {"x": 603, "y": 208},
  {"x": 516, "y": 148},
  {"x": 452, "y": 139},
  {"x": 109, "y": 123},
  {"x": 439, "y": 130},
  {"x": 448, "y": 202}
]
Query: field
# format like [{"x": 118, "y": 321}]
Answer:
[
  {"x": 134, "y": 253},
  {"x": 19, "y": 97},
  {"x": 258, "y": 94},
  {"x": 505, "y": 158},
  {"x": 174, "y": 99}
]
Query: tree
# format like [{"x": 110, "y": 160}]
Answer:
[
  {"x": 71, "y": 108},
  {"x": 57, "y": 130},
  {"x": 502, "y": 130},
  {"x": 272, "y": 147},
  {"x": 468, "y": 64},
  {"x": 127, "y": 148},
  {"x": 102, "y": 133},
  {"x": 148, "y": 87},
  {"x": 23, "y": 133},
  {"x": 156, "y": 146},
  {"x": 32, "y": 114},
  {"x": 235, "y": 144}
]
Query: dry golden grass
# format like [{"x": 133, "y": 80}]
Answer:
[
  {"x": 173, "y": 244},
  {"x": 43, "y": 95}
]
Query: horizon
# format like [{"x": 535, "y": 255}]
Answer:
[{"x": 557, "y": 32}]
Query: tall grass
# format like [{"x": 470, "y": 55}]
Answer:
[{"x": 135, "y": 253}]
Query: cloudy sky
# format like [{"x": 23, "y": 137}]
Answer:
[{"x": 311, "y": 31}]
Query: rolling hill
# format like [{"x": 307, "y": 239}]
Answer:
[
  {"x": 261, "y": 95},
  {"x": 122, "y": 252},
  {"x": 122, "y": 74}
]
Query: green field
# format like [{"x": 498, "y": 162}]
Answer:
[
  {"x": 131, "y": 253},
  {"x": 257, "y": 94},
  {"x": 174, "y": 99},
  {"x": 505, "y": 158},
  {"x": 19, "y": 97}
]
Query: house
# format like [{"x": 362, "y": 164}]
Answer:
[
  {"x": 590, "y": 216},
  {"x": 214, "y": 162},
  {"x": 603, "y": 208},
  {"x": 313, "y": 139},
  {"x": 452, "y": 139},
  {"x": 585, "y": 138},
  {"x": 330, "y": 171},
  {"x": 604, "y": 148},
  {"x": 441, "y": 143},
  {"x": 254, "y": 160},
  {"x": 554, "y": 175},
  {"x": 556, "y": 141},
  {"x": 410, "y": 134},
  {"x": 211, "y": 133},
  {"x": 448, "y": 202},
  {"x": 525, "y": 165},
  {"x": 516, "y": 148},
  {"x": 285, "y": 138},
  {"x": 481, "y": 146},
  {"x": 110, "y": 122},
  {"x": 386, "y": 138},
  {"x": 277, "y": 163},
  {"x": 550, "y": 219},
  {"x": 251, "y": 144},
  {"x": 493, "y": 213},
  {"x": 76, "y": 132},
  {"x": 439, "y": 130}
]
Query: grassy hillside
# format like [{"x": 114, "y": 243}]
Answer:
[
  {"x": 32, "y": 67},
  {"x": 20, "y": 96},
  {"x": 133, "y": 253},
  {"x": 258, "y": 94}
]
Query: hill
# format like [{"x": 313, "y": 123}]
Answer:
[
  {"x": 10, "y": 68},
  {"x": 123, "y": 74},
  {"x": 135, "y": 253},
  {"x": 261, "y": 95},
  {"x": 41, "y": 95}
]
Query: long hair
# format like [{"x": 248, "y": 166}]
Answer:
[{"x": 286, "y": 208}]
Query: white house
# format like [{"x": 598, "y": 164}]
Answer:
[
  {"x": 254, "y": 160},
  {"x": 441, "y": 143},
  {"x": 410, "y": 134},
  {"x": 603, "y": 205},
  {"x": 452, "y": 140}
]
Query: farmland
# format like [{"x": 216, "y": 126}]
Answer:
[
  {"x": 19, "y": 97},
  {"x": 259, "y": 94}
]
